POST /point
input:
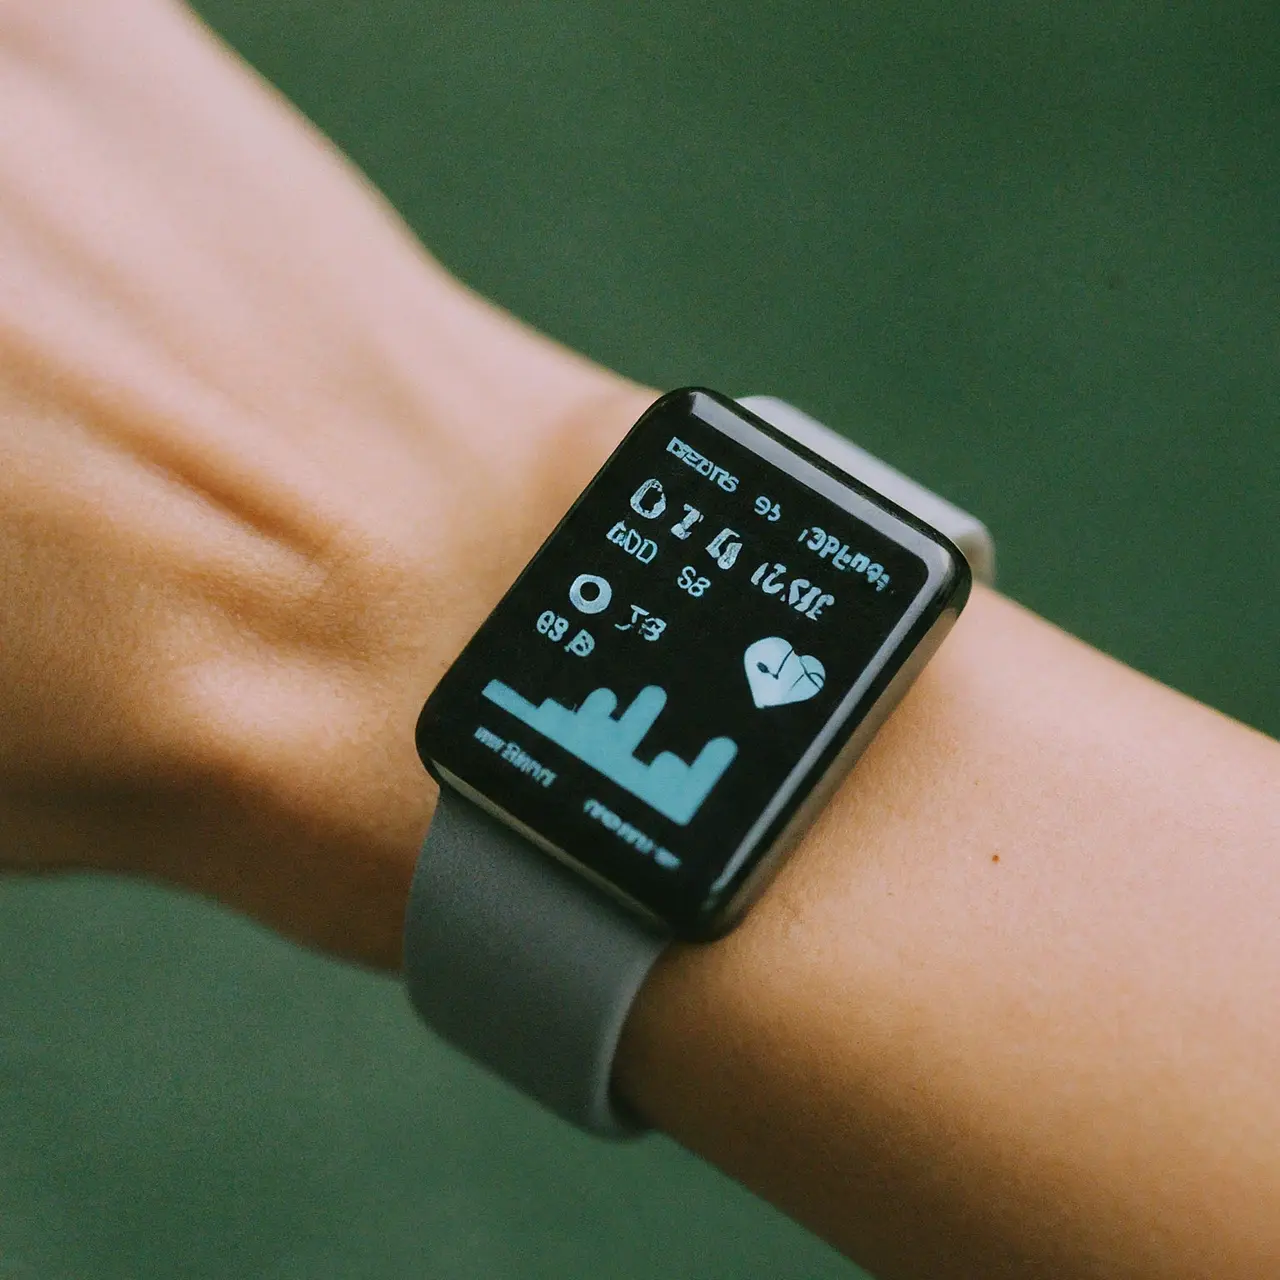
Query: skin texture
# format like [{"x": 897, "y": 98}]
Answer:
[
  {"x": 1057, "y": 1064},
  {"x": 263, "y": 469}
]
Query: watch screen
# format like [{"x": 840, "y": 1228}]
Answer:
[{"x": 686, "y": 655}]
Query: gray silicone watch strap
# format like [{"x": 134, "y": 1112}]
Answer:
[{"x": 522, "y": 964}]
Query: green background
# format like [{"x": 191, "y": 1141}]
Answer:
[{"x": 1027, "y": 252}]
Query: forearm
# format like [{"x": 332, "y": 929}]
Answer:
[
  {"x": 262, "y": 466},
  {"x": 1010, "y": 1009}
]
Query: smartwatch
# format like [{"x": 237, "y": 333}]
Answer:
[{"x": 652, "y": 716}]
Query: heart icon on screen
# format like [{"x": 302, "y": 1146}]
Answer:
[{"x": 778, "y": 674}]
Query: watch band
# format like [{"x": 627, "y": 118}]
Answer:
[{"x": 523, "y": 964}]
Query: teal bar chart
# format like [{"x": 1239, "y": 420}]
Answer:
[{"x": 608, "y": 743}]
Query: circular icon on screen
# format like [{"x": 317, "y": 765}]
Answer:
[{"x": 590, "y": 593}]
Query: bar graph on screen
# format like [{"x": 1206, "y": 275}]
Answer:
[{"x": 607, "y": 742}]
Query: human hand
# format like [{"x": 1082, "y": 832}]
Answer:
[{"x": 263, "y": 468}]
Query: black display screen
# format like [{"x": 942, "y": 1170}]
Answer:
[{"x": 686, "y": 655}]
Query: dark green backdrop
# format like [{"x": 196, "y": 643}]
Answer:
[{"x": 1026, "y": 251}]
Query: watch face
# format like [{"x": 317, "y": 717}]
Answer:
[{"x": 683, "y": 660}]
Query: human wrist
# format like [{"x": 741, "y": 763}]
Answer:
[
  {"x": 1006, "y": 974},
  {"x": 326, "y": 783}
]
